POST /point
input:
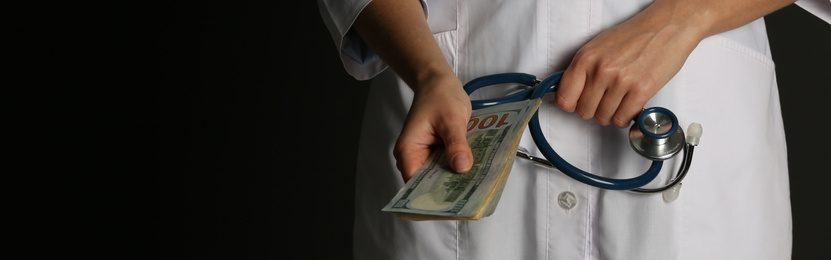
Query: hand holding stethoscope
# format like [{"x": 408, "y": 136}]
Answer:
[{"x": 655, "y": 135}]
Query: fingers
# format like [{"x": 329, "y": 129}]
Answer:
[
  {"x": 610, "y": 100},
  {"x": 570, "y": 88},
  {"x": 592, "y": 91},
  {"x": 628, "y": 109},
  {"x": 410, "y": 153},
  {"x": 597, "y": 86},
  {"x": 587, "y": 87},
  {"x": 415, "y": 144},
  {"x": 621, "y": 96}
]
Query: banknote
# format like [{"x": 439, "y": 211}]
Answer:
[{"x": 436, "y": 192}]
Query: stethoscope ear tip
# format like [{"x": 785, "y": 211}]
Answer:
[
  {"x": 694, "y": 132},
  {"x": 671, "y": 194}
]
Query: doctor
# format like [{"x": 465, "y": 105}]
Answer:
[{"x": 708, "y": 61}]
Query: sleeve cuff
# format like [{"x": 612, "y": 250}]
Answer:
[{"x": 360, "y": 61}]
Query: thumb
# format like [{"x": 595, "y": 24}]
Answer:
[{"x": 457, "y": 149}]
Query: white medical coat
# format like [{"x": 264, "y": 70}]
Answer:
[{"x": 734, "y": 204}]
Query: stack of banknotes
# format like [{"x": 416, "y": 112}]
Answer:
[{"x": 436, "y": 192}]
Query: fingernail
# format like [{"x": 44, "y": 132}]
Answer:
[{"x": 461, "y": 162}]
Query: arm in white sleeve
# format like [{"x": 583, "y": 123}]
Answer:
[
  {"x": 820, "y": 8},
  {"x": 358, "y": 59}
]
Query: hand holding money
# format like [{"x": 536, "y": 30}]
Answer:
[{"x": 436, "y": 192}]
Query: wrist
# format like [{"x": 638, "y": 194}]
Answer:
[
  {"x": 682, "y": 19},
  {"x": 428, "y": 71},
  {"x": 705, "y": 18},
  {"x": 432, "y": 80}
]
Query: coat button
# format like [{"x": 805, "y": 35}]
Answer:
[{"x": 567, "y": 200}]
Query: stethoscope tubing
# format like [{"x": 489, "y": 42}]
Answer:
[
  {"x": 682, "y": 172},
  {"x": 501, "y": 78},
  {"x": 548, "y": 85}
]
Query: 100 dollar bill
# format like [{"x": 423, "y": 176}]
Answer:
[{"x": 437, "y": 192}]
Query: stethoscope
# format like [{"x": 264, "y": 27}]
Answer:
[{"x": 655, "y": 135}]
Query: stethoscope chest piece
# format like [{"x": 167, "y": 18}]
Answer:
[{"x": 656, "y": 135}]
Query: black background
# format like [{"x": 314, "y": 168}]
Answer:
[{"x": 227, "y": 131}]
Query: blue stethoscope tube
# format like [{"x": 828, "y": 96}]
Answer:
[
  {"x": 521, "y": 78},
  {"x": 548, "y": 85}
]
